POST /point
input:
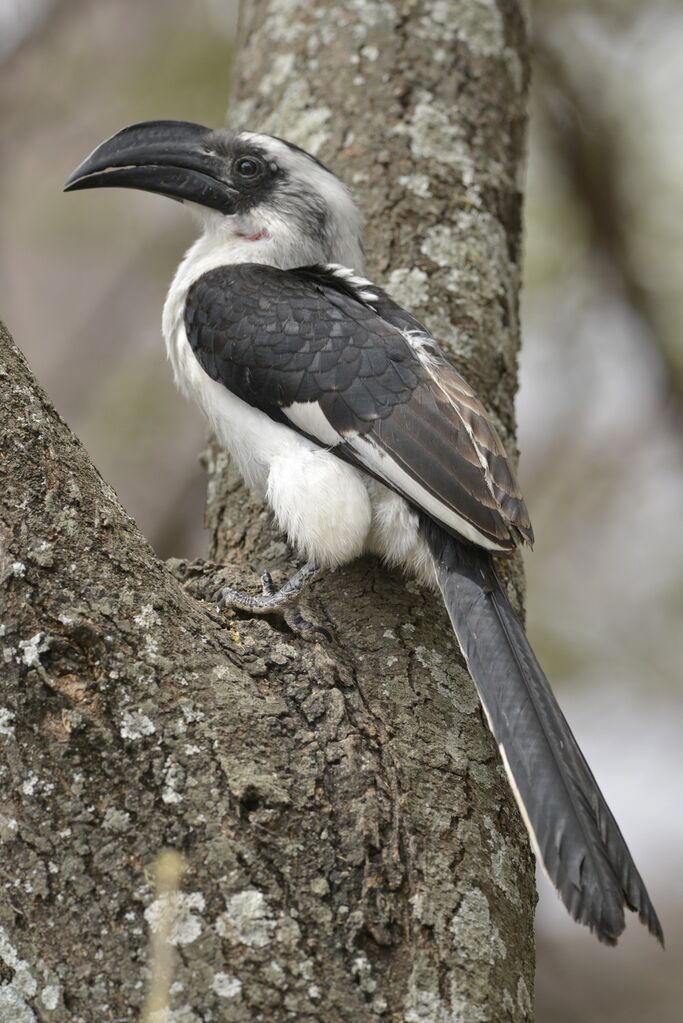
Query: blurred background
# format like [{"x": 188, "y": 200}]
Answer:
[{"x": 600, "y": 405}]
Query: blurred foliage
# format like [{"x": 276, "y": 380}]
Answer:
[{"x": 101, "y": 268}]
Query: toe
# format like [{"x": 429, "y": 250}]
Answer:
[{"x": 267, "y": 584}]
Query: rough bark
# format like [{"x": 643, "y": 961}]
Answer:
[{"x": 353, "y": 851}]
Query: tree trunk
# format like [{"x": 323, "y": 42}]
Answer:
[{"x": 353, "y": 852}]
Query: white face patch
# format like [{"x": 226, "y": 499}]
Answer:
[{"x": 303, "y": 171}]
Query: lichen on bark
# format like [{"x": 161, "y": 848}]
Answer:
[{"x": 353, "y": 850}]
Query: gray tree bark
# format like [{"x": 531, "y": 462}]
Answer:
[{"x": 353, "y": 850}]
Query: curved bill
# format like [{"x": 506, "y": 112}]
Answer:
[{"x": 171, "y": 158}]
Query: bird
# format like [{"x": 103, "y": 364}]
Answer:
[{"x": 341, "y": 409}]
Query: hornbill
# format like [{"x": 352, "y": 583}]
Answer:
[{"x": 341, "y": 408}]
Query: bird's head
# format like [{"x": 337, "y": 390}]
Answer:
[{"x": 254, "y": 193}]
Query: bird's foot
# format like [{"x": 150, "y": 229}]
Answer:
[{"x": 284, "y": 600}]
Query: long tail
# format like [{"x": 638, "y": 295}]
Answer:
[{"x": 570, "y": 825}]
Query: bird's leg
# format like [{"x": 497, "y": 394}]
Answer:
[{"x": 284, "y": 600}]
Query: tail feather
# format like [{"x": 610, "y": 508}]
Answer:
[{"x": 573, "y": 831}]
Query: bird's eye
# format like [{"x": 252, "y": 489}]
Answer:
[{"x": 248, "y": 167}]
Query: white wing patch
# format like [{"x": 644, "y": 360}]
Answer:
[
  {"x": 384, "y": 466},
  {"x": 310, "y": 418}
]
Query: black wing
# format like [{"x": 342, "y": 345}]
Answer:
[{"x": 333, "y": 356}]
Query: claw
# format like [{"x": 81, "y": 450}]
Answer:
[{"x": 302, "y": 627}]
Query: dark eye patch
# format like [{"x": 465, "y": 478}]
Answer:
[{"x": 248, "y": 169}]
